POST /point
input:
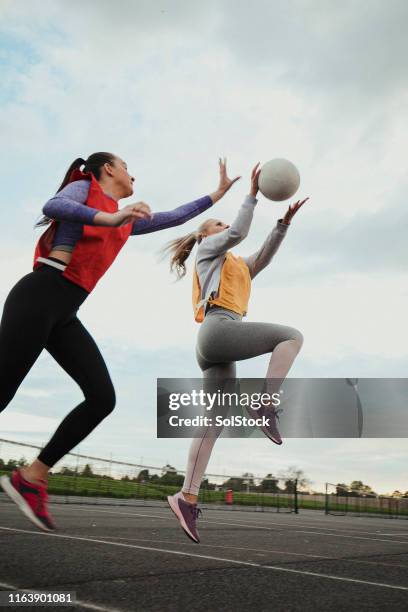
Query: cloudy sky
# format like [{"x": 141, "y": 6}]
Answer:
[{"x": 170, "y": 86}]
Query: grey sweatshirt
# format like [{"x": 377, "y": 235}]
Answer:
[{"x": 212, "y": 249}]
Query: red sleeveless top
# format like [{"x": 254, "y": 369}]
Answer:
[{"x": 98, "y": 247}]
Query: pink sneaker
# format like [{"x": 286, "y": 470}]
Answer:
[
  {"x": 186, "y": 513},
  {"x": 30, "y": 498},
  {"x": 271, "y": 414}
]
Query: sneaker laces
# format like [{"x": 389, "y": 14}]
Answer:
[
  {"x": 277, "y": 412},
  {"x": 274, "y": 411},
  {"x": 42, "y": 498},
  {"x": 196, "y": 512}
]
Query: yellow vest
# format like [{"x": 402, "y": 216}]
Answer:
[{"x": 234, "y": 289}]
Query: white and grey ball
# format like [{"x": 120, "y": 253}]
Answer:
[{"x": 279, "y": 179}]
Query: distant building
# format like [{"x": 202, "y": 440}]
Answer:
[{"x": 168, "y": 469}]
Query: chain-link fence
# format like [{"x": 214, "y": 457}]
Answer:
[
  {"x": 341, "y": 500},
  {"x": 93, "y": 480}
]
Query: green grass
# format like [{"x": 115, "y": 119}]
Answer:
[{"x": 83, "y": 486}]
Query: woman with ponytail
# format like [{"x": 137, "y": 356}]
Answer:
[
  {"x": 86, "y": 230},
  {"x": 221, "y": 289}
]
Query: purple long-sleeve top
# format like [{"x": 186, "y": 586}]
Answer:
[{"x": 68, "y": 207}]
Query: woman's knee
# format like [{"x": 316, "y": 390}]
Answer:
[
  {"x": 109, "y": 399},
  {"x": 297, "y": 338},
  {"x": 102, "y": 398}
]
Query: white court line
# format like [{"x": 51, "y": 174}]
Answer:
[
  {"x": 264, "y": 550},
  {"x": 78, "y": 602},
  {"x": 340, "y": 535},
  {"x": 275, "y": 568},
  {"x": 395, "y": 533},
  {"x": 252, "y": 526},
  {"x": 308, "y": 523},
  {"x": 318, "y": 524},
  {"x": 250, "y": 523}
]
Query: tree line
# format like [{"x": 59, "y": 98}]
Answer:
[{"x": 284, "y": 483}]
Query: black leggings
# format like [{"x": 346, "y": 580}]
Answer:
[{"x": 40, "y": 312}]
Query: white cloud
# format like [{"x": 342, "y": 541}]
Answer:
[
  {"x": 25, "y": 423},
  {"x": 34, "y": 393}
]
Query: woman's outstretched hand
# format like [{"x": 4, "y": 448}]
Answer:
[
  {"x": 127, "y": 214},
  {"x": 131, "y": 213},
  {"x": 292, "y": 210},
  {"x": 225, "y": 182},
  {"x": 254, "y": 180}
]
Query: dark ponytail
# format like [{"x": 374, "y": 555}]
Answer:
[
  {"x": 92, "y": 165},
  {"x": 76, "y": 164}
]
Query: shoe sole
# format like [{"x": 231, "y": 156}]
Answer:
[
  {"x": 253, "y": 414},
  {"x": 180, "y": 518},
  {"x": 21, "y": 503},
  {"x": 271, "y": 438}
]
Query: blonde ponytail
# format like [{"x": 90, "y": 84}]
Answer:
[{"x": 180, "y": 249}]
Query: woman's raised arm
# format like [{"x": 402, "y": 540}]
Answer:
[
  {"x": 215, "y": 244},
  {"x": 261, "y": 258},
  {"x": 181, "y": 214}
]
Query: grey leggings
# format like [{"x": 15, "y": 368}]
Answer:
[{"x": 222, "y": 340}]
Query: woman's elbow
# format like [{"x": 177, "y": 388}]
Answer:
[
  {"x": 238, "y": 235},
  {"x": 47, "y": 209},
  {"x": 297, "y": 338}
]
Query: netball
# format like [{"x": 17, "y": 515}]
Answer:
[{"x": 279, "y": 179}]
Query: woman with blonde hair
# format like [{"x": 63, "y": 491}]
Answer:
[{"x": 221, "y": 289}]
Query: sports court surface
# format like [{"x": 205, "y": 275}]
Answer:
[{"x": 138, "y": 559}]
